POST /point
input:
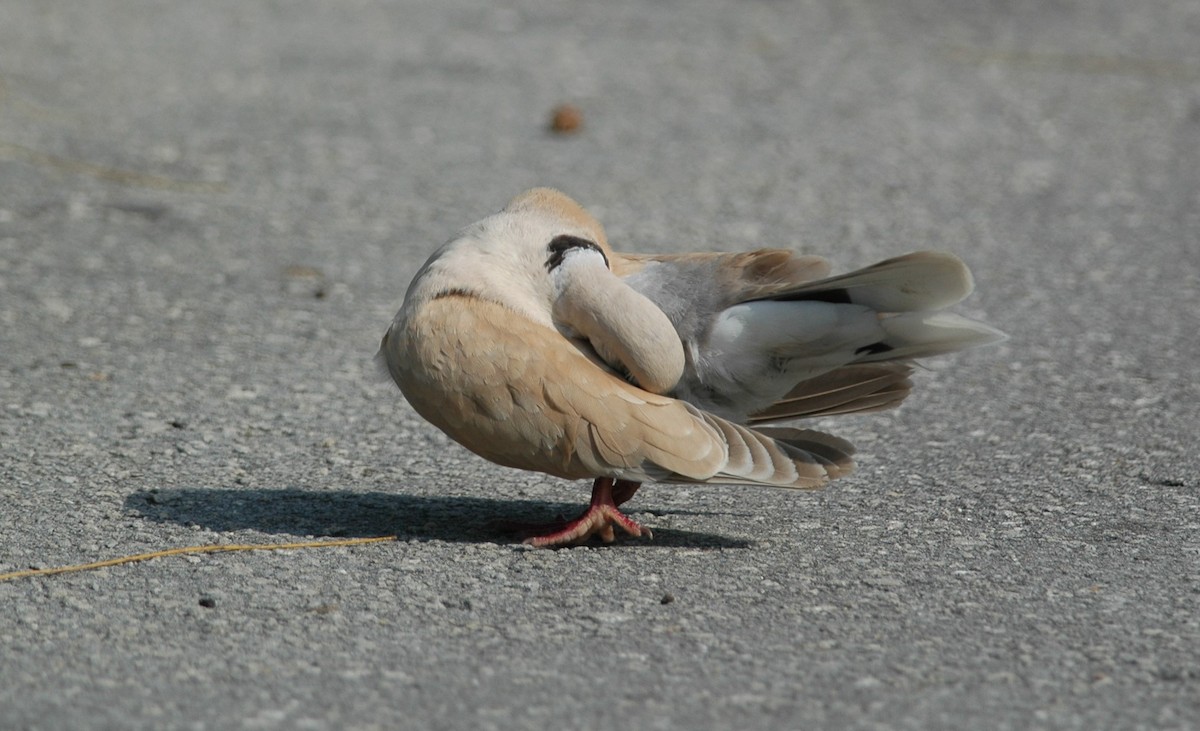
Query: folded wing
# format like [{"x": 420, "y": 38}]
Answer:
[{"x": 533, "y": 400}]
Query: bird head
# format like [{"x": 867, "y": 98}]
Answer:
[{"x": 507, "y": 257}]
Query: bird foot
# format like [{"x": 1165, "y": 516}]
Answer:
[
  {"x": 597, "y": 520},
  {"x": 600, "y": 519}
]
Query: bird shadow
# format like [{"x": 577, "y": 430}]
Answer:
[{"x": 351, "y": 514}]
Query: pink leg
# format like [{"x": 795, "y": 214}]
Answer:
[{"x": 598, "y": 519}]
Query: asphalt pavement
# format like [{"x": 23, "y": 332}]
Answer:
[{"x": 210, "y": 211}]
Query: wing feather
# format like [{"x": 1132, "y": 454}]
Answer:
[
  {"x": 847, "y": 390},
  {"x": 587, "y": 422}
]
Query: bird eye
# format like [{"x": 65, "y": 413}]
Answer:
[{"x": 560, "y": 245}]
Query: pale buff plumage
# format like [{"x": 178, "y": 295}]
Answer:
[{"x": 528, "y": 340}]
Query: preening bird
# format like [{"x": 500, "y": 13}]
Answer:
[{"x": 529, "y": 341}]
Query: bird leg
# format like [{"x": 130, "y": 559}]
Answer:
[
  {"x": 597, "y": 520},
  {"x": 622, "y": 491}
]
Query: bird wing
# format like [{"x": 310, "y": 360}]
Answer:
[
  {"x": 739, "y": 276},
  {"x": 522, "y": 395},
  {"x": 692, "y": 289}
]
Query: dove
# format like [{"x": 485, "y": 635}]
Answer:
[{"x": 531, "y": 342}]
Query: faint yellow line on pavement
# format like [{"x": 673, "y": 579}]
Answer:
[
  {"x": 111, "y": 174},
  {"x": 1079, "y": 63},
  {"x": 215, "y": 548}
]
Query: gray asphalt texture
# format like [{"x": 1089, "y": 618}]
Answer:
[{"x": 209, "y": 213}]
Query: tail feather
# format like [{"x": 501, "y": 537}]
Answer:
[
  {"x": 921, "y": 335},
  {"x": 847, "y": 390},
  {"x": 920, "y": 281},
  {"x": 808, "y": 349}
]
